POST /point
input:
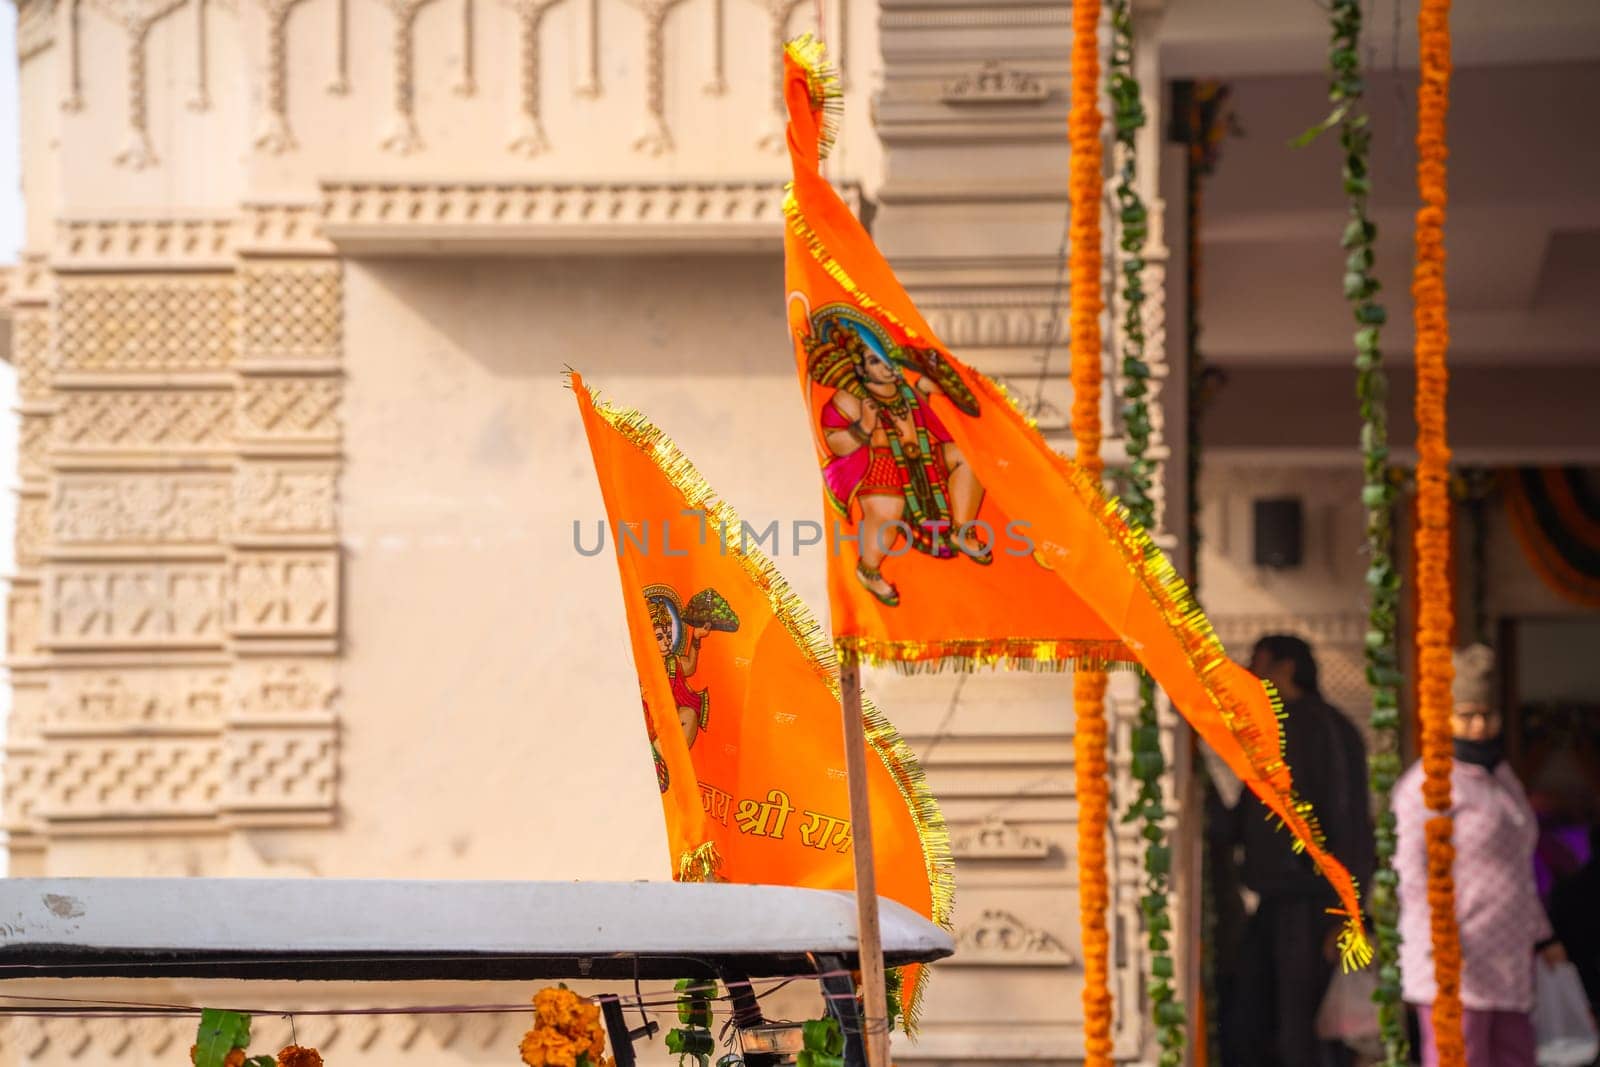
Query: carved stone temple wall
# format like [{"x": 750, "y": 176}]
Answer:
[{"x": 296, "y": 591}]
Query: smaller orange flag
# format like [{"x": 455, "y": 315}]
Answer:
[{"x": 741, "y": 696}]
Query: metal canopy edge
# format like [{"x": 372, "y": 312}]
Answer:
[{"x": 389, "y": 930}]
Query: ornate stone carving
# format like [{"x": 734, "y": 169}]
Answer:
[
  {"x": 301, "y": 410},
  {"x": 646, "y": 211},
  {"x": 136, "y": 17},
  {"x": 151, "y": 419},
  {"x": 277, "y": 769},
  {"x": 30, "y": 353},
  {"x": 292, "y": 312},
  {"x": 280, "y": 594},
  {"x": 24, "y": 613},
  {"x": 33, "y": 443},
  {"x": 282, "y": 228},
  {"x": 403, "y": 137},
  {"x": 285, "y": 500},
  {"x": 18, "y": 793},
  {"x": 135, "y": 700},
  {"x": 32, "y": 280},
  {"x": 92, "y": 605},
  {"x": 285, "y": 691},
  {"x": 999, "y": 938},
  {"x": 1025, "y": 322},
  {"x": 656, "y": 139},
  {"x": 33, "y": 527},
  {"x": 93, "y": 510},
  {"x": 995, "y": 839},
  {"x": 273, "y": 135},
  {"x": 127, "y": 778},
  {"x": 529, "y": 137},
  {"x": 36, "y": 30},
  {"x": 170, "y": 324},
  {"x": 144, "y": 244},
  {"x": 995, "y": 83}
]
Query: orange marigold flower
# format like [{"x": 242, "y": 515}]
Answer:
[
  {"x": 299, "y": 1056},
  {"x": 234, "y": 1058}
]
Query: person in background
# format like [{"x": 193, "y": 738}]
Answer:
[
  {"x": 1503, "y": 926},
  {"x": 1575, "y": 914},
  {"x": 1287, "y": 954}
]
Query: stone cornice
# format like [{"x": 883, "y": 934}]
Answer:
[
  {"x": 564, "y": 217},
  {"x": 423, "y": 217}
]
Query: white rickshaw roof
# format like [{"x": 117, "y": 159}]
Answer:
[{"x": 377, "y": 929}]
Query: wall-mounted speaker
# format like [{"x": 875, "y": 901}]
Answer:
[{"x": 1278, "y": 532}]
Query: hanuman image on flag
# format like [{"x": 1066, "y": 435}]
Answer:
[
  {"x": 679, "y": 630},
  {"x": 891, "y": 465}
]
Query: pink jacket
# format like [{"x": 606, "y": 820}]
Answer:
[{"x": 1497, "y": 903}]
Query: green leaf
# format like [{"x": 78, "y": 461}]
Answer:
[
  {"x": 690, "y": 1042},
  {"x": 219, "y": 1033},
  {"x": 261, "y": 1061},
  {"x": 1335, "y": 117}
]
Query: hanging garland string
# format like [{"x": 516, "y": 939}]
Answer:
[
  {"x": 1435, "y": 617},
  {"x": 1149, "y": 765},
  {"x": 1377, "y": 497},
  {"x": 1089, "y": 685}
]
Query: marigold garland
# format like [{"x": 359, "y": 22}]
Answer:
[
  {"x": 1435, "y": 621},
  {"x": 566, "y": 1032},
  {"x": 1089, "y": 685}
]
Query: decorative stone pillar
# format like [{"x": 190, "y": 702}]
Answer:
[{"x": 973, "y": 214}]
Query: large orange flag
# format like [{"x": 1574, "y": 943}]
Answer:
[
  {"x": 741, "y": 696},
  {"x": 962, "y": 537}
]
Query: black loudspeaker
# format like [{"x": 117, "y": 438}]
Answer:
[{"x": 1277, "y": 530}]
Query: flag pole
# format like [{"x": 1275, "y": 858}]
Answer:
[{"x": 874, "y": 1020}]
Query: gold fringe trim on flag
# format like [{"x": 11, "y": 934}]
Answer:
[
  {"x": 701, "y": 864},
  {"x": 1016, "y": 653},
  {"x": 819, "y": 251},
  {"x": 790, "y": 610},
  {"x": 1161, "y": 581},
  {"x": 823, "y": 86}
]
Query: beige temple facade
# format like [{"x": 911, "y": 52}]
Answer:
[{"x": 297, "y": 592}]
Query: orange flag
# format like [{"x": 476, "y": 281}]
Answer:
[
  {"x": 741, "y": 696},
  {"x": 961, "y": 536}
]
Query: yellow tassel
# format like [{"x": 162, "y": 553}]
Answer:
[
  {"x": 822, "y": 85},
  {"x": 700, "y": 864},
  {"x": 982, "y": 653}
]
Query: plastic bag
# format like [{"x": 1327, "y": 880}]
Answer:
[
  {"x": 1348, "y": 1014},
  {"x": 1561, "y": 1018}
]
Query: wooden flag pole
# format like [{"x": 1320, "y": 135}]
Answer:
[{"x": 874, "y": 1020}]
